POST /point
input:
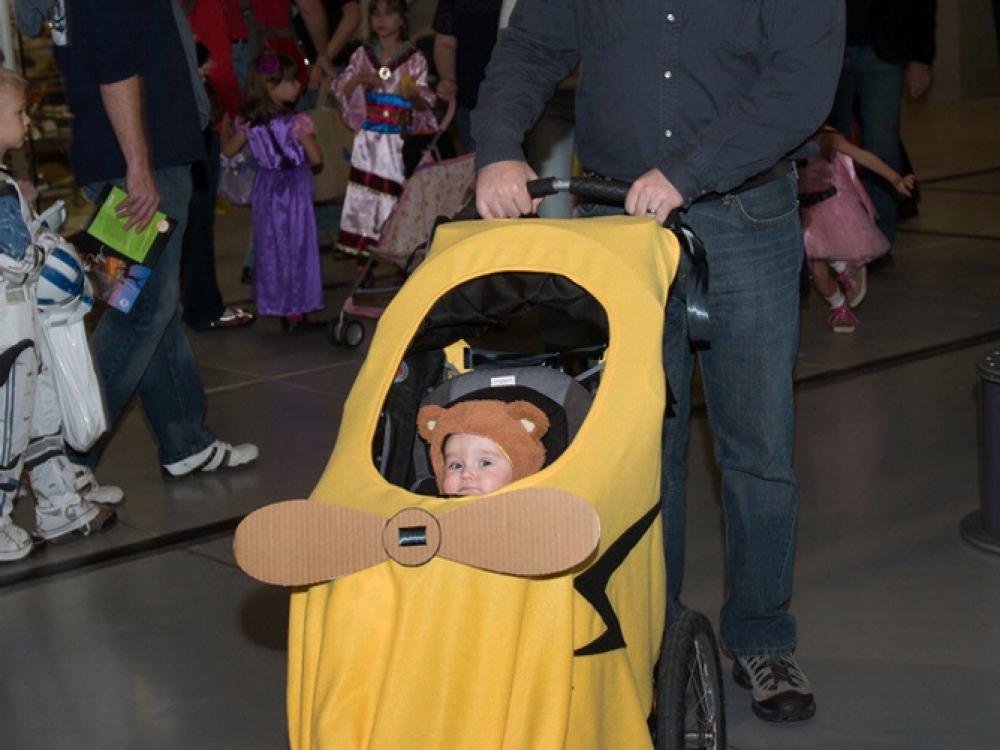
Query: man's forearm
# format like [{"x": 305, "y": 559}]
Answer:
[
  {"x": 314, "y": 17},
  {"x": 349, "y": 22},
  {"x": 123, "y": 104},
  {"x": 536, "y": 52},
  {"x": 444, "y": 56}
]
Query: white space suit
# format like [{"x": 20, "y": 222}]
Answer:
[{"x": 30, "y": 415}]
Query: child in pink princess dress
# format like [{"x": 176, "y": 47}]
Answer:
[
  {"x": 384, "y": 96},
  {"x": 838, "y": 218}
]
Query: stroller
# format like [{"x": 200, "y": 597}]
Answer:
[
  {"x": 532, "y": 617},
  {"x": 436, "y": 188}
]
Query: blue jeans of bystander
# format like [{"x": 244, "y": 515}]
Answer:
[
  {"x": 146, "y": 351},
  {"x": 877, "y": 88},
  {"x": 202, "y": 297}
]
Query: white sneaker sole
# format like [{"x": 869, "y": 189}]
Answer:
[
  {"x": 18, "y": 554},
  {"x": 201, "y": 463},
  {"x": 70, "y": 526}
]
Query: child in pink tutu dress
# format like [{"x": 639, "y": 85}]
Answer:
[
  {"x": 839, "y": 222},
  {"x": 384, "y": 96}
]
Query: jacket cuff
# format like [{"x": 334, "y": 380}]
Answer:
[{"x": 678, "y": 169}]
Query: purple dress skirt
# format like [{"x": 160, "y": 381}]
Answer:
[{"x": 287, "y": 277}]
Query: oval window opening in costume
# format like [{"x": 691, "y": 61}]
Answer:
[{"x": 507, "y": 337}]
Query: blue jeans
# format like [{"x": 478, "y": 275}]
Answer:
[
  {"x": 877, "y": 87},
  {"x": 241, "y": 63},
  {"x": 753, "y": 241},
  {"x": 146, "y": 351},
  {"x": 463, "y": 121},
  {"x": 200, "y": 287}
]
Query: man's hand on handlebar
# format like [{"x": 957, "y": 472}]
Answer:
[
  {"x": 501, "y": 191},
  {"x": 653, "y": 194}
]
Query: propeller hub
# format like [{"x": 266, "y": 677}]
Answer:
[{"x": 412, "y": 537}]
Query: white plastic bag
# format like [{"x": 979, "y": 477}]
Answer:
[
  {"x": 236, "y": 177},
  {"x": 68, "y": 357}
]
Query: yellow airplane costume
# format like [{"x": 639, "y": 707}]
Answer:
[{"x": 446, "y": 656}]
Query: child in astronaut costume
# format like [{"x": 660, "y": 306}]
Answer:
[{"x": 41, "y": 284}]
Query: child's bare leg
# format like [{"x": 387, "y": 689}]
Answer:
[{"x": 823, "y": 279}]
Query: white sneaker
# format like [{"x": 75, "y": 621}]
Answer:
[
  {"x": 55, "y": 521},
  {"x": 85, "y": 483},
  {"x": 59, "y": 509},
  {"x": 219, "y": 456},
  {"x": 15, "y": 542}
]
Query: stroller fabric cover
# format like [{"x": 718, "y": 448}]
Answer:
[{"x": 447, "y": 656}]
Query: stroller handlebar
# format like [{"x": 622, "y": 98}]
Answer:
[
  {"x": 611, "y": 192},
  {"x": 589, "y": 188}
]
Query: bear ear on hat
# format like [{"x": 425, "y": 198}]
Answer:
[
  {"x": 532, "y": 418},
  {"x": 427, "y": 420}
]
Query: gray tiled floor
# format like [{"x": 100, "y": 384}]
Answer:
[
  {"x": 988, "y": 182},
  {"x": 898, "y": 617},
  {"x": 156, "y": 640},
  {"x": 967, "y": 213}
]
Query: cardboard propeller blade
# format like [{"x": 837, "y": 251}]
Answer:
[
  {"x": 531, "y": 532},
  {"x": 301, "y": 542}
]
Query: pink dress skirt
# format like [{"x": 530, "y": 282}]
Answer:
[{"x": 837, "y": 215}]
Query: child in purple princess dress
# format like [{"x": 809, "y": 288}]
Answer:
[
  {"x": 838, "y": 218},
  {"x": 287, "y": 282},
  {"x": 384, "y": 96}
]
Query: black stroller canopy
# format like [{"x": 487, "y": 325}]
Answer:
[{"x": 568, "y": 316}]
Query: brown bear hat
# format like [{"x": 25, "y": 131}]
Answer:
[{"x": 517, "y": 427}]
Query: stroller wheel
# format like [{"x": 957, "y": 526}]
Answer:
[
  {"x": 691, "y": 710},
  {"x": 346, "y": 332}
]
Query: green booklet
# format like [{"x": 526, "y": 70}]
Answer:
[{"x": 121, "y": 260}]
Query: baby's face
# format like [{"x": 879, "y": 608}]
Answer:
[{"x": 474, "y": 465}]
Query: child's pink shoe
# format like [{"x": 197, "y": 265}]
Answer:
[
  {"x": 842, "y": 320},
  {"x": 854, "y": 285}
]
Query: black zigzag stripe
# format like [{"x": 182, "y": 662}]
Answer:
[{"x": 593, "y": 584}]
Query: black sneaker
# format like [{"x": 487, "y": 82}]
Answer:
[{"x": 781, "y": 691}]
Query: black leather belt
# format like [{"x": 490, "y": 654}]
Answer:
[
  {"x": 758, "y": 180},
  {"x": 811, "y": 199}
]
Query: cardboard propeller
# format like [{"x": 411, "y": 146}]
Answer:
[{"x": 528, "y": 532}]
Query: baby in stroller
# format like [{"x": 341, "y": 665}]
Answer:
[{"x": 477, "y": 447}]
